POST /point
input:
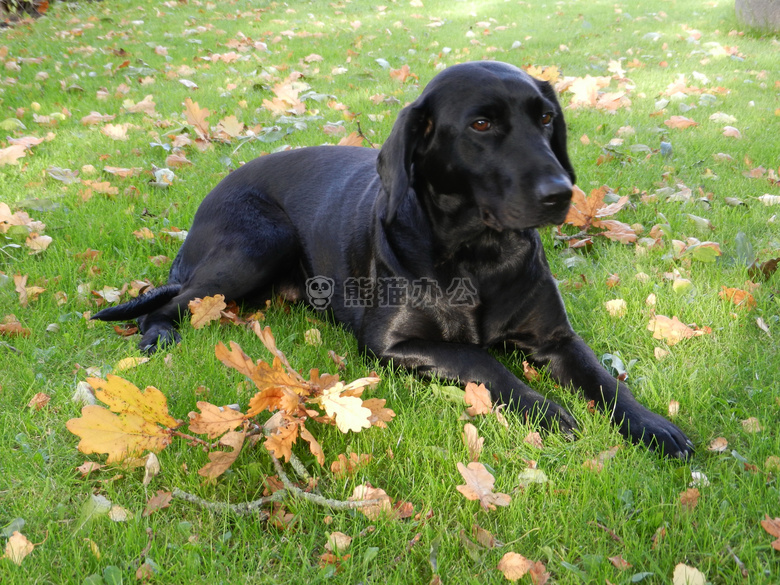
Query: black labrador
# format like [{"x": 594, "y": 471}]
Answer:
[{"x": 426, "y": 251}]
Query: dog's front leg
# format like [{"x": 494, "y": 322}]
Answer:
[
  {"x": 572, "y": 363},
  {"x": 468, "y": 363}
]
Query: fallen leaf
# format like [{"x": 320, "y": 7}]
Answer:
[
  {"x": 18, "y": 547},
  {"x": 478, "y": 398},
  {"x": 685, "y": 575},
  {"x": 679, "y": 122},
  {"x": 281, "y": 441},
  {"x": 620, "y": 563},
  {"x": 160, "y": 500},
  {"x": 348, "y": 411},
  {"x": 473, "y": 441},
  {"x": 741, "y": 298},
  {"x": 672, "y": 330},
  {"x": 514, "y": 566},
  {"x": 152, "y": 468},
  {"x": 751, "y": 425},
  {"x": 314, "y": 446},
  {"x": 534, "y": 439},
  {"x": 196, "y": 117},
  {"x": 39, "y": 401},
  {"x": 718, "y": 445},
  {"x": 689, "y": 499},
  {"x": 206, "y": 310},
  {"x": 338, "y": 542},
  {"x": 220, "y": 461},
  {"x": 11, "y": 154},
  {"x": 479, "y": 486},
  {"x": 213, "y": 421},
  {"x": 368, "y": 492},
  {"x": 124, "y": 397},
  {"x": 616, "y": 307}
]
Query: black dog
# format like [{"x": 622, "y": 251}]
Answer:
[{"x": 427, "y": 252}]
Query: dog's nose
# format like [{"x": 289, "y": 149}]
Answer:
[{"x": 554, "y": 191}]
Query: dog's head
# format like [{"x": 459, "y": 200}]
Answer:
[{"x": 485, "y": 141}]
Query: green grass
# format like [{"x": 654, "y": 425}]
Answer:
[{"x": 719, "y": 379}]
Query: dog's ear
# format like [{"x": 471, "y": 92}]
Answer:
[
  {"x": 558, "y": 142},
  {"x": 394, "y": 164}
]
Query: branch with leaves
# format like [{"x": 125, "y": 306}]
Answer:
[{"x": 135, "y": 421}]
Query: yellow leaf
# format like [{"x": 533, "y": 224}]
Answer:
[
  {"x": 478, "y": 397},
  {"x": 685, "y": 575},
  {"x": 196, "y": 117},
  {"x": 672, "y": 330},
  {"x": 479, "y": 486},
  {"x": 18, "y": 547},
  {"x": 206, "y": 310},
  {"x": 129, "y": 362},
  {"x": 117, "y": 435},
  {"x": 220, "y": 461},
  {"x": 213, "y": 421},
  {"x": 124, "y": 397},
  {"x": 347, "y": 411}
]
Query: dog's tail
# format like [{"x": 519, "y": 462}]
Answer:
[{"x": 141, "y": 305}]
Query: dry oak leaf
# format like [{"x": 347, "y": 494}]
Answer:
[
  {"x": 368, "y": 492},
  {"x": 206, "y": 310},
  {"x": 478, "y": 398},
  {"x": 117, "y": 435},
  {"x": 196, "y": 117},
  {"x": 751, "y": 425},
  {"x": 314, "y": 446},
  {"x": 338, "y": 542},
  {"x": 479, "y": 486},
  {"x": 17, "y": 547},
  {"x": 160, "y": 500},
  {"x": 220, "y": 461},
  {"x": 473, "y": 441},
  {"x": 352, "y": 139},
  {"x": 718, "y": 445},
  {"x": 380, "y": 415},
  {"x": 37, "y": 242},
  {"x": 534, "y": 439},
  {"x": 773, "y": 528},
  {"x": 620, "y": 563},
  {"x": 124, "y": 397},
  {"x": 281, "y": 441},
  {"x": 672, "y": 330},
  {"x": 689, "y": 498},
  {"x": 348, "y": 412},
  {"x": 514, "y": 566},
  {"x": 39, "y": 401},
  {"x": 11, "y": 327},
  {"x": 213, "y": 421}
]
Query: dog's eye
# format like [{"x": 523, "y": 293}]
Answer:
[
  {"x": 482, "y": 125},
  {"x": 547, "y": 118}
]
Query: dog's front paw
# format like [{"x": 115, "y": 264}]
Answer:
[
  {"x": 554, "y": 417},
  {"x": 659, "y": 435},
  {"x": 155, "y": 339}
]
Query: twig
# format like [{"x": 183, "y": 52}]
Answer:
[
  {"x": 297, "y": 465},
  {"x": 10, "y": 347},
  {"x": 740, "y": 564},
  {"x": 607, "y": 530},
  {"x": 147, "y": 548},
  {"x": 565, "y": 238},
  {"x": 242, "y": 509},
  {"x": 194, "y": 440}
]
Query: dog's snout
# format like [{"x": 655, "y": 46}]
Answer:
[{"x": 554, "y": 191}]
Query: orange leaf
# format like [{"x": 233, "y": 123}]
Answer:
[
  {"x": 212, "y": 421},
  {"x": 344, "y": 465},
  {"x": 196, "y": 117},
  {"x": 771, "y": 526},
  {"x": 314, "y": 446},
  {"x": 689, "y": 498},
  {"x": 220, "y": 461},
  {"x": 11, "y": 327},
  {"x": 380, "y": 415},
  {"x": 479, "y": 486},
  {"x": 206, "y": 310},
  {"x": 478, "y": 397},
  {"x": 281, "y": 441},
  {"x": 741, "y": 298},
  {"x": 353, "y": 139}
]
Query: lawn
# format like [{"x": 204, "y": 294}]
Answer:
[{"x": 120, "y": 116}]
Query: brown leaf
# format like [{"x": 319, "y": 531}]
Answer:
[
  {"x": 534, "y": 439},
  {"x": 478, "y": 398},
  {"x": 620, "y": 563},
  {"x": 213, "y": 421},
  {"x": 718, "y": 445},
  {"x": 514, "y": 566},
  {"x": 479, "y": 486},
  {"x": 380, "y": 415},
  {"x": 689, "y": 498},
  {"x": 352, "y": 139},
  {"x": 771, "y": 526},
  {"x": 751, "y": 425},
  {"x": 473, "y": 441},
  {"x": 11, "y": 154},
  {"x": 281, "y": 441},
  {"x": 206, "y": 310},
  {"x": 402, "y": 74},
  {"x": 220, "y": 461},
  {"x": 11, "y": 327},
  {"x": 618, "y": 231},
  {"x": 160, "y": 500},
  {"x": 349, "y": 465},
  {"x": 484, "y": 537},
  {"x": 39, "y": 401}
]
